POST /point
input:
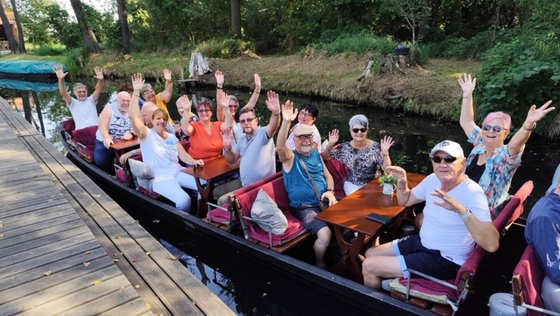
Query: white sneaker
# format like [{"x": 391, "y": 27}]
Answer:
[{"x": 385, "y": 284}]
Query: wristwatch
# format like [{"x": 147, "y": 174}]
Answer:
[{"x": 466, "y": 214}]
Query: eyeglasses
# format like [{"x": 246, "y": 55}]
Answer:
[
  {"x": 303, "y": 113},
  {"x": 356, "y": 130},
  {"x": 496, "y": 128},
  {"x": 248, "y": 120},
  {"x": 447, "y": 159},
  {"x": 204, "y": 110},
  {"x": 304, "y": 137}
]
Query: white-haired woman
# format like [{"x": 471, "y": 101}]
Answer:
[{"x": 363, "y": 156}]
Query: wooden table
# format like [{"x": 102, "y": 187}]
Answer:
[
  {"x": 212, "y": 170},
  {"x": 120, "y": 146},
  {"x": 350, "y": 214}
]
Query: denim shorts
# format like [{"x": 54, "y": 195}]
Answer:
[
  {"x": 412, "y": 254},
  {"x": 306, "y": 214}
]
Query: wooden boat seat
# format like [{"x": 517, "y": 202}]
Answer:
[
  {"x": 242, "y": 202},
  {"x": 447, "y": 295}
]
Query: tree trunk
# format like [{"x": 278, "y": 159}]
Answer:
[
  {"x": 8, "y": 29},
  {"x": 236, "y": 18},
  {"x": 123, "y": 22},
  {"x": 21, "y": 41},
  {"x": 87, "y": 32}
]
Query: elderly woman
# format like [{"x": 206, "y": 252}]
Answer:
[
  {"x": 308, "y": 116},
  {"x": 114, "y": 123},
  {"x": 363, "y": 156},
  {"x": 205, "y": 135},
  {"x": 161, "y": 99},
  {"x": 161, "y": 151},
  {"x": 491, "y": 163},
  {"x": 233, "y": 103}
]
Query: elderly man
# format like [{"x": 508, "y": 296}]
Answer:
[
  {"x": 456, "y": 217},
  {"x": 161, "y": 99},
  {"x": 255, "y": 148},
  {"x": 83, "y": 108},
  {"x": 306, "y": 179},
  {"x": 543, "y": 233},
  {"x": 113, "y": 123}
]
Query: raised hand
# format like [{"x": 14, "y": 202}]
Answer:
[
  {"x": 289, "y": 114},
  {"x": 219, "y": 78},
  {"x": 167, "y": 74},
  {"x": 227, "y": 138},
  {"x": 59, "y": 70},
  {"x": 272, "y": 101},
  {"x": 183, "y": 105},
  {"x": 386, "y": 144},
  {"x": 98, "y": 73},
  {"x": 467, "y": 84},
  {"x": 137, "y": 82},
  {"x": 257, "y": 81},
  {"x": 398, "y": 172},
  {"x": 333, "y": 137},
  {"x": 536, "y": 115},
  {"x": 448, "y": 202}
]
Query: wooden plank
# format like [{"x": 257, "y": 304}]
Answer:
[
  {"x": 10, "y": 212},
  {"x": 128, "y": 308},
  {"x": 35, "y": 280},
  {"x": 30, "y": 202},
  {"x": 17, "y": 216},
  {"x": 43, "y": 237},
  {"x": 37, "y": 225},
  {"x": 30, "y": 302},
  {"x": 123, "y": 297},
  {"x": 107, "y": 287},
  {"x": 38, "y": 218},
  {"x": 19, "y": 262}
]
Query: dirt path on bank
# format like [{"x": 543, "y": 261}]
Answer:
[{"x": 431, "y": 89}]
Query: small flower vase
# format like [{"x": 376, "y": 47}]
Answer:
[{"x": 388, "y": 189}]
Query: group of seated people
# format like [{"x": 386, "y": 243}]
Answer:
[{"x": 462, "y": 195}]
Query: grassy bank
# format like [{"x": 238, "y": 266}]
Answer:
[{"x": 428, "y": 90}]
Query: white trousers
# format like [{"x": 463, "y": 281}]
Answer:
[{"x": 172, "y": 189}]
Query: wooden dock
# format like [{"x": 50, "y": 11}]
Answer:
[{"x": 67, "y": 248}]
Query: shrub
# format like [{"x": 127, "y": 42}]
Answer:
[
  {"x": 224, "y": 48},
  {"x": 49, "y": 50}
]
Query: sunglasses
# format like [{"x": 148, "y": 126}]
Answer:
[
  {"x": 496, "y": 128},
  {"x": 447, "y": 159},
  {"x": 248, "y": 120},
  {"x": 304, "y": 137},
  {"x": 356, "y": 130},
  {"x": 204, "y": 110}
]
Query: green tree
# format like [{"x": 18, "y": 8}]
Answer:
[{"x": 89, "y": 38}]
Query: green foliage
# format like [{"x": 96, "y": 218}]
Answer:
[
  {"x": 360, "y": 42},
  {"x": 75, "y": 59},
  {"x": 473, "y": 48},
  {"x": 387, "y": 178},
  {"x": 47, "y": 50},
  {"x": 521, "y": 73},
  {"x": 225, "y": 48}
]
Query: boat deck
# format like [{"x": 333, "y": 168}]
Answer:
[{"x": 67, "y": 248}]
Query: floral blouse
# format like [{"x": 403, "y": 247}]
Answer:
[
  {"x": 500, "y": 168},
  {"x": 363, "y": 164}
]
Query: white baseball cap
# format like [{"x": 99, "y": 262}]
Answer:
[{"x": 450, "y": 147}]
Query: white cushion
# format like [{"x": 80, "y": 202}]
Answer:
[
  {"x": 267, "y": 214},
  {"x": 143, "y": 175}
]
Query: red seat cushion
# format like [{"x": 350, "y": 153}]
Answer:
[
  {"x": 275, "y": 189},
  {"x": 85, "y": 136}
]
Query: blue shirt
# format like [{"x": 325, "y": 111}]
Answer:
[
  {"x": 297, "y": 184},
  {"x": 543, "y": 233}
]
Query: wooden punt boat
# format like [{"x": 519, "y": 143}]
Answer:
[{"x": 350, "y": 297}]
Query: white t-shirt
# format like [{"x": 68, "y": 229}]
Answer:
[
  {"x": 161, "y": 155},
  {"x": 316, "y": 138},
  {"x": 84, "y": 112},
  {"x": 444, "y": 230},
  {"x": 257, "y": 157}
]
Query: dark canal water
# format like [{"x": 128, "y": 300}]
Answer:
[{"x": 249, "y": 288}]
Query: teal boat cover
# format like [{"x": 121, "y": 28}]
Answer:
[
  {"x": 28, "y": 86},
  {"x": 38, "y": 67}
]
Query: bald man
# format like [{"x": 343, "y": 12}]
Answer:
[{"x": 113, "y": 123}]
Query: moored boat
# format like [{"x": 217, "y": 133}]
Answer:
[
  {"x": 28, "y": 70},
  {"x": 352, "y": 296}
]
